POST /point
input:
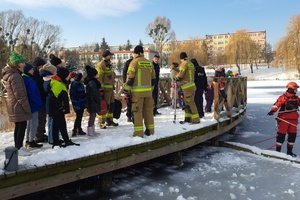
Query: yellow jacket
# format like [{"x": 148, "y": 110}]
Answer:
[
  {"x": 186, "y": 75},
  {"x": 142, "y": 71},
  {"x": 106, "y": 74}
]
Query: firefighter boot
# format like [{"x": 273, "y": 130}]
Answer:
[{"x": 290, "y": 151}]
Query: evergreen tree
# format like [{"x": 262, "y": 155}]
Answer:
[
  {"x": 97, "y": 47},
  {"x": 104, "y": 45},
  {"x": 128, "y": 46},
  {"x": 141, "y": 43}
]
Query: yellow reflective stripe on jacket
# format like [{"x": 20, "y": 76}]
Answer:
[
  {"x": 191, "y": 67},
  {"x": 145, "y": 88},
  {"x": 107, "y": 86},
  {"x": 188, "y": 85}
]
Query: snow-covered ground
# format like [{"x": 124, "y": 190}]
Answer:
[{"x": 207, "y": 172}]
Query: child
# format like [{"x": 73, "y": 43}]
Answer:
[
  {"x": 47, "y": 72},
  {"x": 287, "y": 118},
  {"x": 77, "y": 95},
  {"x": 209, "y": 95},
  {"x": 93, "y": 98},
  {"x": 59, "y": 106},
  {"x": 36, "y": 104}
]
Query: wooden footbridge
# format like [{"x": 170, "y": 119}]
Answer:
[{"x": 26, "y": 181}]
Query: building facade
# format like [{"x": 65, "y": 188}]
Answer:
[{"x": 217, "y": 43}]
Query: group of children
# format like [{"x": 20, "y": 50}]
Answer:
[{"x": 37, "y": 92}]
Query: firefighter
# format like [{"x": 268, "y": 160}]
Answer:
[
  {"x": 287, "y": 118},
  {"x": 187, "y": 84},
  {"x": 140, "y": 82},
  {"x": 107, "y": 80}
]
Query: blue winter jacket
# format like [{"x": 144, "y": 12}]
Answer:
[
  {"x": 77, "y": 95},
  {"x": 33, "y": 93}
]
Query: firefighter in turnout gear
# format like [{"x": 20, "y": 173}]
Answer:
[
  {"x": 107, "y": 80},
  {"x": 187, "y": 84},
  {"x": 140, "y": 82},
  {"x": 287, "y": 118}
]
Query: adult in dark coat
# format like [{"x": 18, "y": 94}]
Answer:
[
  {"x": 201, "y": 86},
  {"x": 155, "y": 63},
  {"x": 93, "y": 97},
  {"x": 38, "y": 64},
  {"x": 18, "y": 107}
]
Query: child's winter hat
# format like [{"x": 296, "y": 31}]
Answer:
[
  {"x": 62, "y": 73},
  {"x": 38, "y": 61},
  {"x": 49, "y": 68},
  {"x": 16, "y": 58},
  {"x": 54, "y": 60},
  {"x": 27, "y": 68},
  {"x": 91, "y": 72},
  {"x": 77, "y": 76}
]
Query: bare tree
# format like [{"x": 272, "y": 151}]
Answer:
[
  {"x": 28, "y": 36},
  {"x": 194, "y": 49},
  {"x": 268, "y": 54},
  {"x": 288, "y": 48},
  {"x": 160, "y": 31},
  {"x": 238, "y": 49}
]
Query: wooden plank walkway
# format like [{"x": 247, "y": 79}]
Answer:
[{"x": 26, "y": 181}]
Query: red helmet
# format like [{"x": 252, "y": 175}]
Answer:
[{"x": 292, "y": 85}]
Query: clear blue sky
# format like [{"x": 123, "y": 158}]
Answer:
[{"x": 88, "y": 21}]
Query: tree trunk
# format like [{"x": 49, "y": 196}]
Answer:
[
  {"x": 239, "y": 68},
  {"x": 251, "y": 68}
]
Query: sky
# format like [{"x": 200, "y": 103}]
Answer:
[
  {"x": 207, "y": 172},
  {"x": 88, "y": 21}
]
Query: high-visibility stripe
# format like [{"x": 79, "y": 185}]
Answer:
[
  {"x": 109, "y": 115},
  {"x": 195, "y": 116},
  {"x": 138, "y": 128},
  {"x": 107, "y": 86},
  {"x": 150, "y": 126},
  {"x": 188, "y": 85}
]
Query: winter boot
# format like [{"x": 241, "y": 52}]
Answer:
[
  {"x": 69, "y": 143},
  {"x": 90, "y": 131},
  {"x": 147, "y": 132},
  {"x": 59, "y": 143},
  {"x": 102, "y": 126},
  {"x": 110, "y": 122},
  {"x": 94, "y": 132},
  {"x": 74, "y": 132},
  {"x": 290, "y": 151},
  {"x": 33, "y": 144},
  {"x": 81, "y": 132},
  {"x": 278, "y": 148}
]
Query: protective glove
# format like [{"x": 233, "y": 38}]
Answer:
[
  {"x": 271, "y": 113},
  {"x": 126, "y": 89}
]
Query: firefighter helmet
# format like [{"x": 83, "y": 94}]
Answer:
[{"x": 292, "y": 85}]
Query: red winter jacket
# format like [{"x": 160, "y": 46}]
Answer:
[{"x": 287, "y": 104}]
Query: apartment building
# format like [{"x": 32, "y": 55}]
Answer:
[{"x": 217, "y": 43}]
